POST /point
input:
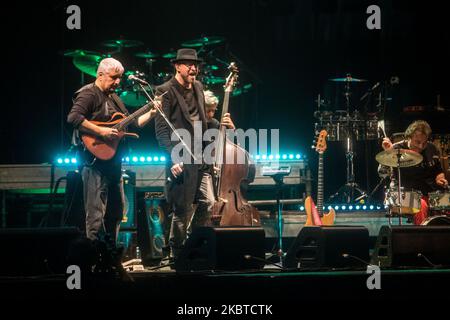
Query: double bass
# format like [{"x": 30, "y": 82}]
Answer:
[{"x": 233, "y": 167}]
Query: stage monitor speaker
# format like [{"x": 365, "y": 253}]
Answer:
[
  {"x": 412, "y": 246},
  {"x": 224, "y": 248},
  {"x": 329, "y": 247},
  {"x": 129, "y": 215},
  {"x": 27, "y": 252}
]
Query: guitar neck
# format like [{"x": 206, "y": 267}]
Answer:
[
  {"x": 320, "y": 185},
  {"x": 122, "y": 125}
]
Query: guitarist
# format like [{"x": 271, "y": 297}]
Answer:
[{"x": 102, "y": 179}]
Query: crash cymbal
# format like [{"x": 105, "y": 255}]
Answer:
[
  {"x": 147, "y": 55},
  {"x": 408, "y": 158},
  {"x": 80, "y": 53},
  {"x": 170, "y": 55},
  {"x": 87, "y": 64},
  {"x": 347, "y": 79},
  {"x": 122, "y": 43},
  {"x": 204, "y": 41}
]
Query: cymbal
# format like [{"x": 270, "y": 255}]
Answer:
[
  {"x": 169, "y": 55},
  {"x": 204, "y": 41},
  {"x": 408, "y": 158},
  {"x": 213, "y": 80},
  {"x": 147, "y": 55},
  {"x": 80, "y": 53},
  {"x": 347, "y": 79},
  {"x": 122, "y": 43},
  {"x": 87, "y": 64}
]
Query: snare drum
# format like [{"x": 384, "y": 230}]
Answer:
[
  {"x": 439, "y": 200},
  {"x": 410, "y": 201}
]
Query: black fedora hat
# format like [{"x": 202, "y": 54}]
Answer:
[{"x": 186, "y": 54}]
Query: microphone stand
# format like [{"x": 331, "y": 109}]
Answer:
[{"x": 168, "y": 121}]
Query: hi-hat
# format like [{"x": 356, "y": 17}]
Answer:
[
  {"x": 204, "y": 41},
  {"x": 147, "y": 55},
  {"x": 122, "y": 43},
  {"x": 347, "y": 79},
  {"x": 408, "y": 158}
]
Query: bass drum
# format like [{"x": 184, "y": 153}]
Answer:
[{"x": 437, "y": 221}]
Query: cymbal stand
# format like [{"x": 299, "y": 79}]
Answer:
[
  {"x": 399, "y": 155},
  {"x": 348, "y": 190}
]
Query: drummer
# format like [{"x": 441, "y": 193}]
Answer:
[{"x": 426, "y": 176}]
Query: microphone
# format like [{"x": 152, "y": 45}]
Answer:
[
  {"x": 134, "y": 78},
  {"x": 375, "y": 86}
]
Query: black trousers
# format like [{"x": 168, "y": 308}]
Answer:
[{"x": 104, "y": 201}]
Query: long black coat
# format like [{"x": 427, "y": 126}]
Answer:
[{"x": 181, "y": 191}]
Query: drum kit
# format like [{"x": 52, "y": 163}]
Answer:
[
  {"x": 408, "y": 202},
  {"x": 154, "y": 67},
  {"x": 348, "y": 126}
]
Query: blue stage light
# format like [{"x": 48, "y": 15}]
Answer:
[
  {"x": 162, "y": 159},
  {"x": 142, "y": 159},
  {"x": 277, "y": 156},
  {"x": 156, "y": 159},
  {"x": 302, "y": 208},
  {"x": 66, "y": 160},
  {"x": 357, "y": 207},
  {"x": 343, "y": 207},
  {"x": 149, "y": 159},
  {"x": 329, "y": 207},
  {"x": 264, "y": 157},
  {"x": 284, "y": 156},
  {"x": 59, "y": 160},
  {"x": 291, "y": 156},
  {"x": 371, "y": 207},
  {"x": 271, "y": 157},
  {"x": 127, "y": 159},
  {"x": 364, "y": 207},
  {"x": 298, "y": 156},
  {"x": 351, "y": 207},
  {"x": 73, "y": 160},
  {"x": 257, "y": 157},
  {"x": 336, "y": 207},
  {"x": 135, "y": 159}
]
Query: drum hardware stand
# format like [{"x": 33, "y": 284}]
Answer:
[
  {"x": 399, "y": 155},
  {"x": 277, "y": 175},
  {"x": 348, "y": 190}
]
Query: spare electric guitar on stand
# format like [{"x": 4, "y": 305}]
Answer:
[{"x": 315, "y": 215}]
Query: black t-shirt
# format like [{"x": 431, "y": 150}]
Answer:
[{"x": 422, "y": 176}]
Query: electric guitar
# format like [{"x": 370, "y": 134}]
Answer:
[
  {"x": 315, "y": 215},
  {"x": 106, "y": 149}
]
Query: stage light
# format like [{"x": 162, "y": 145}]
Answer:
[
  {"x": 364, "y": 207},
  {"x": 329, "y": 207},
  {"x": 343, "y": 207},
  {"x": 336, "y": 207},
  {"x": 162, "y": 159},
  {"x": 371, "y": 207},
  {"x": 127, "y": 159},
  {"x": 156, "y": 159},
  {"x": 66, "y": 160},
  {"x": 357, "y": 207},
  {"x": 271, "y": 157},
  {"x": 278, "y": 156},
  {"x": 298, "y": 156},
  {"x": 73, "y": 160},
  {"x": 302, "y": 208},
  {"x": 135, "y": 159},
  {"x": 257, "y": 157},
  {"x": 350, "y": 207},
  {"x": 142, "y": 159},
  {"x": 264, "y": 157},
  {"x": 60, "y": 161},
  {"x": 284, "y": 156},
  {"x": 149, "y": 159},
  {"x": 291, "y": 156}
]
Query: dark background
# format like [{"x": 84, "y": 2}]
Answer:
[{"x": 286, "y": 49}]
